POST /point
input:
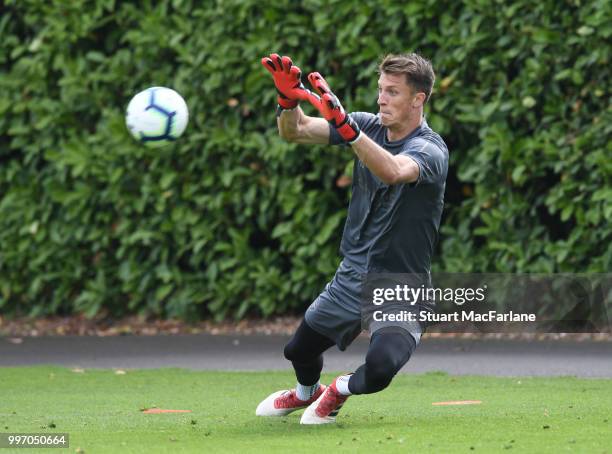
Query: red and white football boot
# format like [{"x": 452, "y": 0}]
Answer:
[
  {"x": 325, "y": 408},
  {"x": 282, "y": 403}
]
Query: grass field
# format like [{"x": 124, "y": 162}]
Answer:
[{"x": 102, "y": 412}]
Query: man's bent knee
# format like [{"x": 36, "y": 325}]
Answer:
[
  {"x": 292, "y": 353},
  {"x": 378, "y": 374},
  {"x": 387, "y": 354}
]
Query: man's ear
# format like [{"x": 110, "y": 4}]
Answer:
[{"x": 418, "y": 100}]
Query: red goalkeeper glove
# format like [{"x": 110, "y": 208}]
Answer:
[
  {"x": 329, "y": 106},
  {"x": 287, "y": 79}
]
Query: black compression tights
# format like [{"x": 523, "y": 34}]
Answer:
[
  {"x": 387, "y": 353},
  {"x": 304, "y": 350}
]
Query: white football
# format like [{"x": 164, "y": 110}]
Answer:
[{"x": 157, "y": 116}]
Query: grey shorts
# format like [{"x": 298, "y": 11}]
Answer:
[{"x": 337, "y": 311}]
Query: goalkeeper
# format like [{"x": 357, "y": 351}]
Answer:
[{"x": 392, "y": 225}]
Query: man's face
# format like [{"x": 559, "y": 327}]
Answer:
[{"x": 396, "y": 100}]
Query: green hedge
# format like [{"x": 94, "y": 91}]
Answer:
[{"x": 233, "y": 221}]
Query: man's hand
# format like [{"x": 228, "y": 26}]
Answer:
[
  {"x": 287, "y": 80},
  {"x": 329, "y": 106}
]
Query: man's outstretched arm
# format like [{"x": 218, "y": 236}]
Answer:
[
  {"x": 389, "y": 168},
  {"x": 293, "y": 124}
]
